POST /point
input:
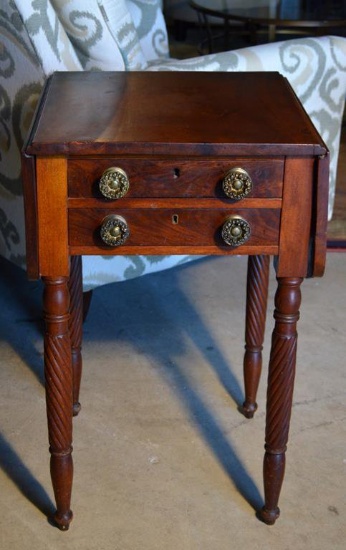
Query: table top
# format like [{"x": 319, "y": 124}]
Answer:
[
  {"x": 86, "y": 113},
  {"x": 308, "y": 13},
  {"x": 157, "y": 122}
]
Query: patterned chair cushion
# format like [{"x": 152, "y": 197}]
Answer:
[
  {"x": 34, "y": 42},
  {"x": 151, "y": 27},
  {"x": 21, "y": 80},
  {"x": 48, "y": 36},
  {"x": 316, "y": 69},
  {"x": 120, "y": 24},
  {"x": 93, "y": 42}
]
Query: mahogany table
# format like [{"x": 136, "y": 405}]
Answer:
[{"x": 173, "y": 163}]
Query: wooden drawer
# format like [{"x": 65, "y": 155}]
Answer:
[
  {"x": 168, "y": 227},
  {"x": 175, "y": 178}
]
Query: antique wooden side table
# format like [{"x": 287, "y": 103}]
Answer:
[{"x": 173, "y": 163}]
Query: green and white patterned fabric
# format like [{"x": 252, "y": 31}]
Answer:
[
  {"x": 121, "y": 25},
  {"x": 47, "y": 35},
  {"x": 150, "y": 26},
  {"x": 89, "y": 34},
  {"x": 38, "y": 37},
  {"x": 315, "y": 68}
]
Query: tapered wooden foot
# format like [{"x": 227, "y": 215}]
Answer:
[
  {"x": 61, "y": 469},
  {"x": 269, "y": 516},
  {"x": 273, "y": 473},
  {"x": 76, "y": 327},
  {"x": 256, "y": 309},
  {"x": 281, "y": 375},
  {"x": 59, "y": 392}
]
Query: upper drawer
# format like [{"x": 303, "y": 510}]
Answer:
[{"x": 179, "y": 178}]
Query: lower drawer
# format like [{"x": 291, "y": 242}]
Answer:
[{"x": 166, "y": 227}]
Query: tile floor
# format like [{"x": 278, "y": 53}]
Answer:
[{"x": 163, "y": 459}]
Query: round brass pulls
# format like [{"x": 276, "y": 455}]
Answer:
[
  {"x": 114, "y": 183},
  {"x": 114, "y": 230},
  {"x": 235, "y": 231},
  {"x": 237, "y": 184}
]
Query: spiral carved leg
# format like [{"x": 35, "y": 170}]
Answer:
[
  {"x": 280, "y": 392},
  {"x": 256, "y": 308},
  {"x": 58, "y": 375},
  {"x": 76, "y": 327}
]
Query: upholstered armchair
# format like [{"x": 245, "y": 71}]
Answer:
[{"x": 39, "y": 37}]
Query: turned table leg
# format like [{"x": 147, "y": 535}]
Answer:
[
  {"x": 256, "y": 308},
  {"x": 59, "y": 393},
  {"x": 280, "y": 392},
  {"x": 76, "y": 327}
]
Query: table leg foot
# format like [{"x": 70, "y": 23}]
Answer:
[
  {"x": 63, "y": 521},
  {"x": 256, "y": 308},
  {"x": 59, "y": 393},
  {"x": 248, "y": 409},
  {"x": 268, "y": 517},
  {"x": 76, "y": 408},
  {"x": 61, "y": 468},
  {"x": 280, "y": 392},
  {"x": 273, "y": 473}
]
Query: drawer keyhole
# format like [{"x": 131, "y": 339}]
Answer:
[
  {"x": 175, "y": 219},
  {"x": 176, "y": 173}
]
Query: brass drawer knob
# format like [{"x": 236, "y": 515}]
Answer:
[
  {"x": 235, "y": 231},
  {"x": 114, "y": 230},
  {"x": 237, "y": 184},
  {"x": 114, "y": 183}
]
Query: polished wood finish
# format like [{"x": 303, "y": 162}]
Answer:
[
  {"x": 320, "y": 197},
  {"x": 188, "y": 114},
  {"x": 293, "y": 259},
  {"x": 197, "y": 227},
  {"x": 59, "y": 392},
  {"x": 256, "y": 311},
  {"x": 176, "y": 135},
  {"x": 77, "y": 312},
  {"x": 281, "y": 375},
  {"x": 30, "y": 202},
  {"x": 175, "y": 178},
  {"x": 52, "y": 216}
]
